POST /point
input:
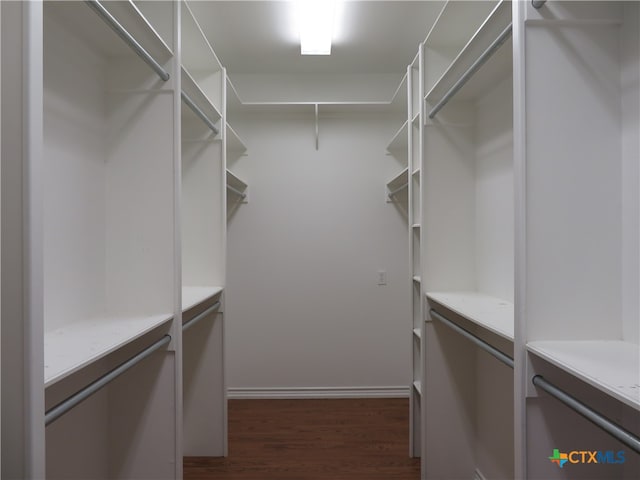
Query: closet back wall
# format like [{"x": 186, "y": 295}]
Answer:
[{"x": 306, "y": 316}]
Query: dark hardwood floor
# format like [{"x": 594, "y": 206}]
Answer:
[{"x": 341, "y": 439}]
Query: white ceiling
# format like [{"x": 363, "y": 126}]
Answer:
[{"x": 260, "y": 37}]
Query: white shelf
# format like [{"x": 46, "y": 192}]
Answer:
[
  {"x": 197, "y": 53},
  {"x": 193, "y": 296},
  {"x": 417, "y": 332},
  {"x": 416, "y": 172},
  {"x": 456, "y": 22},
  {"x": 234, "y": 142},
  {"x": 234, "y": 104},
  {"x": 134, "y": 21},
  {"x": 399, "y": 142},
  {"x": 417, "y": 385},
  {"x": 83, "y": 20},
  {"x": 399, "y": 180},
  {"x": 191, "y": 88},
  {"x": 415, "y": 225},
  {"x": 493, "y": 314},
  {"x": 235, "y": 182},
  {"x": 399, "y": 99},
  {"x": 487, "y": 76},
  {"x": 76, "y": 345},
  {"x": 417, "y": 279},
  {"x": 611, "y": 366}
]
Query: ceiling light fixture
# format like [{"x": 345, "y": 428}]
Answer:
[{"x": 316, "y": 20}]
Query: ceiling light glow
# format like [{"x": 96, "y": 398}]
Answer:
[{"x": 316, "y": 20}]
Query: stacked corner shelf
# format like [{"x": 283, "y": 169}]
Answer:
[
  {"x": 235, "y": 149},
  {"x": 398, "y": 185},
  {"x": 398, "y": 144},
  {"x": 415, "y": 87},
  {"x": 397, "y": 147}
]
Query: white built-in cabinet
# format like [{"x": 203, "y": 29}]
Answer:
[
  {"x": 117, "y": 237},
  {"x": 524, "y": 234},
  {"x": 578, "y": 128}
]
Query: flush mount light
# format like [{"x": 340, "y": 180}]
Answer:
[{"x": 316, "y": 20}]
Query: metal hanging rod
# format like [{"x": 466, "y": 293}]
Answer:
[
  {"x": 481, "y": 60},
  {"x": 236, "y": 191},
  {"x": 399, "y": 189},
  {"x": 538, "y": 3},
  {"x": 507, "y": 360},
  {"x": 63, "y": 407},
  {"x": 128, "y": 38},
  {"x": 199, "y": 317},
  {"x": 613, "y": 429},
  {"x": 191, "y": 104}
]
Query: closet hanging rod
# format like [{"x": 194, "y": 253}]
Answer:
[
  {"x": 507, "y": 360},
  {"x": 613, "y": 429},
  {"x": 236, "y": 191},
  {"x": 128, "y": 38},
  {"x": 538, "y": 3},
  {"x": 481, "y": 60},
  {"x": 63, "y": 407},
  {"x": 399, "y": 189},
  {"x": 197, "y": 318},
  {"x": 191, "y": 104}
]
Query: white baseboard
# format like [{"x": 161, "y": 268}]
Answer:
[{"x": 318, "y": 392}]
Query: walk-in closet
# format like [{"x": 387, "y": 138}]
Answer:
[{"x": 409, "y": 250}]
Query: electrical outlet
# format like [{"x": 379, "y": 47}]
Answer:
[{"x": 382, "y": 277}]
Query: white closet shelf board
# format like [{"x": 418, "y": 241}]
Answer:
[
  {"x": 234, "y": 142},
  {"x": 415, "y": 225},
  {"x": 197, "y": 53},
  {"x": 233, "y": 99},
  {"x": 497, "y": 67},
  {"x": 74, "y": 346},
  {"x": 235, "y": 182},
  {"x": 339, "y": 108},
  {"x": 493, "y": 314},
  {"x": 417, "y": 332},
  {"x": 324, "y": 108},
  {"x": 399, "y": 100},
  {"x": 611, "y": 366},
  {"x": 82, "y": 19},
  {"x": 416, "y": 173},
  {"x": 193, "y": 296},
  {"x": 191, "y": 88},
  {"x": 399, "y": 180},
  {"x": 457, "y": 22},
  {"x": 417, "y": 279},
  {"x": 399, "y": 141},
  {"x": 417, "y": 385}
]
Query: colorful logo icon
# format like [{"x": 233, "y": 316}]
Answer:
[
  {"x": 559, "y": 458},
  {"x": 587, "y": 456}
]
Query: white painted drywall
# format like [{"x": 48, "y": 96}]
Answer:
[{"x": 302, "y": 302}]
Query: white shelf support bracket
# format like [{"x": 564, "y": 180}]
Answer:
[{"x": 317, "y": 130}]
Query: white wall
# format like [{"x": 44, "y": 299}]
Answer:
[{"x": 303, "y": 305}]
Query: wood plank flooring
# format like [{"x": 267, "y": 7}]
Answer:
[{"x": 341, "y": 439}]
